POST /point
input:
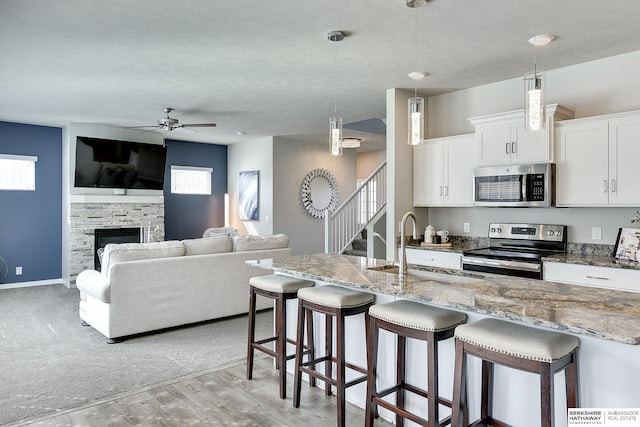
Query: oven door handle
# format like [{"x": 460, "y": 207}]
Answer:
[{"x": 511, "y": 265}]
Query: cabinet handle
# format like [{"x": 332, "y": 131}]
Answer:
[
  {"x": 446, "y": 190},
  {"x": 513, "y": 147},
  {"x": 506, "y": 148},
  {"x": 441, "y": 190},
  {"x": 606, "y": 186},
  {"x": 613, "y": 185},
  {"x": 598, "y": 278}
]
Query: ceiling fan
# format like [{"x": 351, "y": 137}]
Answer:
[{"x": 169, "y": 124}]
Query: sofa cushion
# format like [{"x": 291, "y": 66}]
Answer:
[
  {"x": 221, "y": 231},
  {"x": 256, "y": 243},
  {"x": 208, "y": 245},
  {"x": 118, "y": 252}
]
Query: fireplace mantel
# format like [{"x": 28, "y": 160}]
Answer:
[{"x": 99, "y": 198}]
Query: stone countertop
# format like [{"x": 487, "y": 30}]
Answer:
[
  {"x": 601, "y": 313},
  {"x": 580, "y": 254},
  {"x": 595, "y": 260}
]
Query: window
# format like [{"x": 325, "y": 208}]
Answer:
[
  {"x": 190, "y": 180},
  {"x": 367, "y": 200},
  {"x": 17, "y": 172}
]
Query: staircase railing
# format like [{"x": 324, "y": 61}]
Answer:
[{"x": 344, "y": 224}]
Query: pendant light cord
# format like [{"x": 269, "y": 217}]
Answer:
[
  {"x": 415, "y": 92},
  {"x": 535, "y": 68},
  {"x": 335, "y": 68}
]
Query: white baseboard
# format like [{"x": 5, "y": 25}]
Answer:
[{"x": 34, "y": 283}]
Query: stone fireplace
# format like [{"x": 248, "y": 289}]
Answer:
[{"x": 86, "y": 217}]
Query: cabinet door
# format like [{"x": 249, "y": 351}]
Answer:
[
  {"x": 624, "y": 155},
  {"x": 529, "y": 146},
  {"x": 582, "y": 169},
  {"x": 494, "y": 143},
  {"x": 428, "y": 186},
  {"x": 459, "y": 161}
]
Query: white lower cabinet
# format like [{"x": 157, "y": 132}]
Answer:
[
  {"x": 595, "y": 276},
  {"x": 438, "y": 259}
]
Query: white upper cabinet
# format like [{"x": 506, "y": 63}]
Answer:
[
  {"x": 442, "y": 171},
  {"x": 597, "y": 161},
  {"x": 502, "y": 139}
]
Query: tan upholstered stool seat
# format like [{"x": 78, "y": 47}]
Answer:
[
  {"x": 279, "y": 283},
  {"x": 498, "y": 342},
  {"x": 335, "y": 296},
  {"x": 280, "y": 289},
  {"x": 408, "y": 319},
  {"x": 411, "y": 314},
  {"x": 336, "y": 304},
  {"x": 517, "y": 340}
]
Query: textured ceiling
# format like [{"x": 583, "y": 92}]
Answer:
[{"x": 266, "y": 67}]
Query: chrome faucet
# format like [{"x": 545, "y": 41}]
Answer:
[{"x": 403, "y": 241}]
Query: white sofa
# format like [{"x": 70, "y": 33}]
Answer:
[{"x": 150, "y": 286}]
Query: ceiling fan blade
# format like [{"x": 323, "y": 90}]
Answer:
[
  {"x": 141, "y": 127},
  {"x": 184, "y": 130},
  {"x": 200, "y": 125}
]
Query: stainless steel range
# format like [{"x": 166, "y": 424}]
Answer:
[{"x": 517, "y": 249}]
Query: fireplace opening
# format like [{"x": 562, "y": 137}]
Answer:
[{"x": 103, "y": 236}]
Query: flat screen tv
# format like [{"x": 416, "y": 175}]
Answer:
[{"x": 107, "y": 163}]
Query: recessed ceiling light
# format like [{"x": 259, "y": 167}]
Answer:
[
  {"x": 241, "y": 132},
  {"x": 542, "y": 39},
  {"x": 418, "y": 75}
]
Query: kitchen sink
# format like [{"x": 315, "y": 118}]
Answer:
[
  {"x": 394, "y": 269},
  {"x": 426, "y": 275}
]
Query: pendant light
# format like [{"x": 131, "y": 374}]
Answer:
[
  {"x": 416, "y": 104},
  {"x": 335, "y": 122},
  {"x": 534, "y": 104}
]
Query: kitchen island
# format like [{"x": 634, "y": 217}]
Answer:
[{"x": 606, "y": 321}]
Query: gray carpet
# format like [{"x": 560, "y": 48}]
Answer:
[{"x": 50, "y": 363}]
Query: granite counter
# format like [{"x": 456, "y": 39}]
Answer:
[{"x": 601, "y": 313}]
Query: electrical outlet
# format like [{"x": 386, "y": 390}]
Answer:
[
  {"x": 596, "y": 233},
  {"x": 467, "y": 227},
  {"x": 18, "y": 271}
]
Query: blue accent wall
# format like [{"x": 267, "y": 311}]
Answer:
[
  {"x": 31, "y": 221},
  {"x": 186, "y": 216}
]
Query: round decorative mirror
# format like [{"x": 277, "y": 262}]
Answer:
[{"x": 319, "y": 192}]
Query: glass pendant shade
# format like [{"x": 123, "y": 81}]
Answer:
[
  {"x": 534, "y": 106},
  {"x": 335, "y": 136},
  {"x": 416, "y": 121}
]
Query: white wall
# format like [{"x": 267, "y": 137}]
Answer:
[
  {"x": 292, "y": 160},
  {"x": 250, "y": 156},
  {"x": 608, "y": 85},
  {"x": 399, "y": 168},
  {"x": 369, "y": 161},
  {"x": 604, "y": 86}
]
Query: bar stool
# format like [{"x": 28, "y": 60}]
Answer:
[
  {"x": 338, "y": 302},
  {"x": 516, "y": 346},
  {"x": 409, "y": 319},
  {"x": 280, "y": 288}
]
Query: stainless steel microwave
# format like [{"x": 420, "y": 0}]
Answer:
[{"x": 530, "y": 185}]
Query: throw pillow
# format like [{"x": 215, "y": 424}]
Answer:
[
  {"x": 208, "y": 245},
  {"x": 119, "y": 252},
  {"x": 221, "y": 231},
  {"x": 258, "y": 243}
]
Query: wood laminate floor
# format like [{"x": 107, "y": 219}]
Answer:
[{"x": 222, "y": 398}]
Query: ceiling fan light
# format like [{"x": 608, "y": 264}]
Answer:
[{"x": 351, "y": 142}]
